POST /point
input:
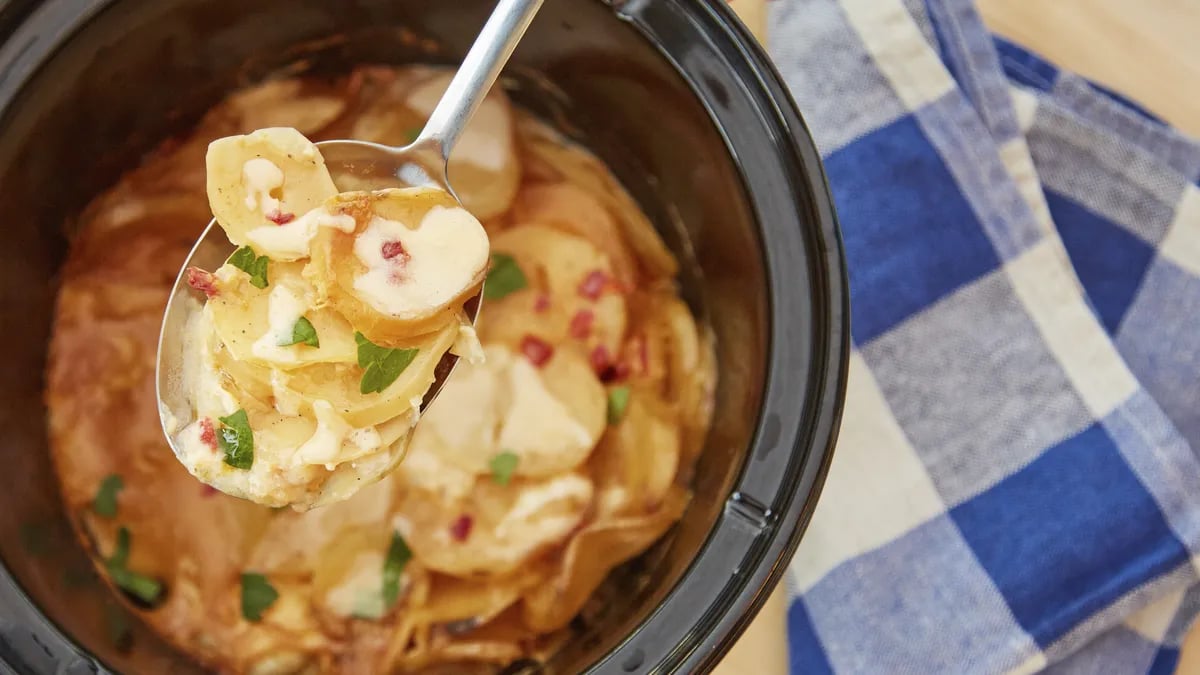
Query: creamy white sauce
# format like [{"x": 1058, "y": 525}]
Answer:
[
  {"x": 445, "y": 254},
  {"x": 473, "y": 388},
  {"x": 261, "y": 177},
  {"x": 366, "y": 439},
  {"x": 284, "y": 309},
  {"x": 534, "y": 506},
  {"x": 486, "y": 142},
  {"x": 537, "y": 422},
  {"x": 466, "y": 345},
  {"x": 292, "y": 241},
  {"x": 325, "y": 445}
]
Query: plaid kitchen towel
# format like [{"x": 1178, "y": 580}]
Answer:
[{"x": 1015, "y": 487}]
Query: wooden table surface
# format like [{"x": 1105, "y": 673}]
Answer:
[{"x": 1145, "y": 49}]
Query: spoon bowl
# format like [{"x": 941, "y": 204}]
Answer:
[{"x": 356, "y": 165}]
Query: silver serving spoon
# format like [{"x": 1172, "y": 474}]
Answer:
[{"x": 362, "y": 165}]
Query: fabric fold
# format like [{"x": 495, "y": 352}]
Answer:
[{"x": 1014, "y": 487}]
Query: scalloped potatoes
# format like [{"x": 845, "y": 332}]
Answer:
[
  {"x": 324, "y": 328},
  {"x": 534, "y": 474}
]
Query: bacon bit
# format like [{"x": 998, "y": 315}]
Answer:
[
  {"x": 614, "y": 373},
  {"x": 208, "y": 491},
  {"x": 202, "y": 281},
  {"x": 542, "y": 303},
  {"x": 280, "y": 218},
  {"x": 537, "y": 350},
  {"x": 600, "y": 358},
  {"x": 461, "y": 529},
  {"x": 394, "y": 249},
  {"x": 593, "y": 284},
  {"x": 581, "y": 324},
  {"x": 208, "y": 433},
  {"x": 605, "y": 369}
]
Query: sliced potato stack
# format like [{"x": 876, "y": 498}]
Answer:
[{"x": 322, "y": 333}]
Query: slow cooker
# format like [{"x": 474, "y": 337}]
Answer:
[{"x": 674, "y": 95}]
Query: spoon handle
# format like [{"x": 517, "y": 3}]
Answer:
[{"x": 478, "y": 72}]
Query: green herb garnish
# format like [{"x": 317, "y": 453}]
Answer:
[
  {"x": 257, "y": 595},
  {"x": 398, "y": 556},
  {"x": 412, "y": 134},
  {"x": 254, "y": 265},
  {"x": 145, "y": 588},
  {"x": 302, "y": 333},
  {"x": 237, "y": 440},
  {"x": 105, "y": 502},
  {"x": 504, "y": 277},
  {"x": 503, "y": 465},
  {"x": 120, "y": 554},
  {"x": 618, "y": 399},
  {"x": 381, "y": 366}
]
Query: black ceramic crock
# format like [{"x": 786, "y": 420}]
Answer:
[{"x": 674, "y": 94}]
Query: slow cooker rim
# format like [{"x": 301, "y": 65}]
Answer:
[
  {"x": 802, "y": 470},
  {"x": 39, "y": 33}
]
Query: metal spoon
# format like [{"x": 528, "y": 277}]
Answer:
[{"x": 362, "y": 165}]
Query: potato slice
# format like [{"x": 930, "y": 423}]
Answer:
[
  {"x": 287, "y": 103},
  {"x": 550, "y": 418},
  {"x": 484, "y": 167},
  {"x": 572, "y": 209},
  {"x": 497, "y": 529},
  {"x": 242, "y": 316},
  {"x": 637, "y": 460},
  {"x": 560, "y": 160},
  {"x": 591, "y": 554},
  {"x": 339, "y": 383},
  {"x": 274, "y": 172},
  {"x": 348, "y": 576},
  {"x": 413, "y": 258},
  {"x": 555, "y": 265}
]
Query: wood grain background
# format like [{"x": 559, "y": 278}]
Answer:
[{"x": 1148, "y": 50}]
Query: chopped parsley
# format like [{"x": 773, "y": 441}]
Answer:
[
  {"x": 503, "y": 465},
  {"x": 144, "y": 588},
  {"x": 236, "y": 440},
  {"x": 254, "y": 265},
  {"x": 381, "y": 366},
  {"x": 302, "y": 333},
  {"x": 503, "y": 278},
  {"x": 257, "y": 595},
  {"x": 618, "y": 399},
  {"x": 398, "y": 556},
  {"x": 105, "y": 502}
]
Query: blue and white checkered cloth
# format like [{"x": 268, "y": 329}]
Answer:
[{"x": 1016, "y": 486}]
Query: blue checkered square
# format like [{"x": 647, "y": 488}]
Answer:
[
  {"x": 907, "y": 245},
  {"x": 1047, "y": 537},
  {"x": 1109, "y": 260}
]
